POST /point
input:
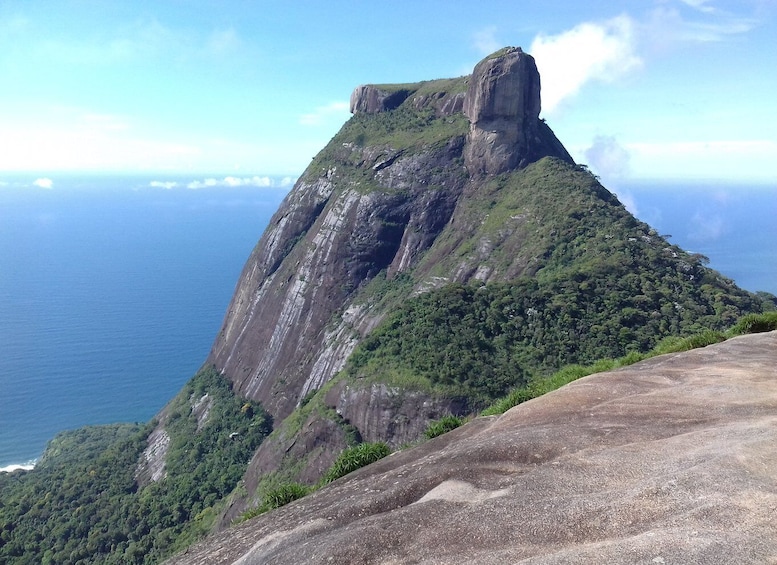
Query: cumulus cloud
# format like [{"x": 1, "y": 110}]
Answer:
[
  {"x": 44, "y": 183},
  {"x": 323, "y": 114},
  {"x": 591, "y": 51}
]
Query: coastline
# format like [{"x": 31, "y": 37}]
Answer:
[{"x": 29, "y": 466}]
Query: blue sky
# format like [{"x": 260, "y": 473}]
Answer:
[{"x": 652, "y": 89}]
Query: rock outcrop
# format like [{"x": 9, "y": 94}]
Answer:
[
  {"x": 671, "y": 460},
  {"x": 371, "y": 99},
  {"x": 503, "y": 107}
]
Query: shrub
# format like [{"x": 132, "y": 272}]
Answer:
[
  {"x": 442, "y": 426},
  {"x": 755, "y": 323},
  {"x": 678, "y": 344},
  {"x": 276, "y": 497},
  {"x": 283, "y": 494},
  {"x": 354, "y": 458}
]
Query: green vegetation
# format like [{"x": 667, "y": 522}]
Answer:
[
  {"x": 442, "y": 426},
  {"x": 755, "y": 323},
  {"x": 750, "y": 323},
  {"x": 363, "y": 454},
  {"x": 355, "y": 458},
  {"x": 276, "y": 497},
  {"x": 83, "y": 504},
  {"x": 277, "y": 492}
]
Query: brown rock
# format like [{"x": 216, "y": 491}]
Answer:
[{"x": 672, "y": 460}]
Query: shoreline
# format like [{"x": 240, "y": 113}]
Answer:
[{"x": 29, "y": 466}]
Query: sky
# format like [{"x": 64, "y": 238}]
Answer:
[{"x": 650, "y": 89}]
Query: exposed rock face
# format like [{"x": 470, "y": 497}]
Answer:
[
  {"x": 671, "y": 460},
  {"x": 279, "y": 340},
  {"x": 389, "y": 413},
  {"x": 503, "y": 106},
  {"x": 370, "y": 99}
]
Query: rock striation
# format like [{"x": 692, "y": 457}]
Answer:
[
  {"x": 427, "y": 184},
  {"x": 671, "y": 460}
]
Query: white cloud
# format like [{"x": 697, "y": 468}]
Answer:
[
  {"x": 701, "y": 5},
  {"x": 167, "y": 185},
  {"x": 607, "y": 157},
  {"x": 287, "y": 181},
  {"x": 603, "y": 51},
  {"x": 232, "y": 182},
  {"x": 44, "y": 183},
  {"x": 325, "y": 114},
  {"x": 485, "y": 40}
]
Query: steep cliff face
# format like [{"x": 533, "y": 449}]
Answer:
[{"x": 366, "y": 207}]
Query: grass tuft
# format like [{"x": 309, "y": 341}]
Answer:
[
  {"x": 754, "y": 323},
  {"x": 355, "y": 458},
  {"x": 442, "y": 426}
]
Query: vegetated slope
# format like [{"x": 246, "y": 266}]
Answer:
[
  {"x": 575, "y": 278},
  {"x": 87, "y": 500}
]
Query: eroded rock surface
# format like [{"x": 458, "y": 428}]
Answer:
[{"x": 671, "y": 460}]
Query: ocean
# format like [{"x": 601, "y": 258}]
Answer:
[
  {"x": 112, "y": 290},
  {"x": 111, "y": 293}
]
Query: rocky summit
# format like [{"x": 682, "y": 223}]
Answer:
[
  {"x": 296, "y": 314},
  {"x": 670, "y": 460}
]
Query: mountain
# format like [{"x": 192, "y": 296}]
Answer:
[
  {"x": 447, "y": 244},
  {"x": 440, "y": 252},
  {"x": 670, "y": 460}
]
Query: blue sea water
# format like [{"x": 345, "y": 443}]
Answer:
[
  {"x": 735, "y": 226},
  {"x": 112, "y": 291}
]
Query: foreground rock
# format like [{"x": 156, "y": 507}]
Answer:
[{"x": 672, "y": 460}]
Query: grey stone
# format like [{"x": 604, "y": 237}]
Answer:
[{"x": 671, "y": 460}]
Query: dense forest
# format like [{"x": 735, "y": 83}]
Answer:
[{"x": 83, "y": 502}]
